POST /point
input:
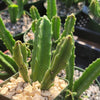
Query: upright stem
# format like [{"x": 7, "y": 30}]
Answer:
[{"x": 59, "y": 61}]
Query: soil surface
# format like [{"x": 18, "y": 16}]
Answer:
[{"x": 21, "y": 26}]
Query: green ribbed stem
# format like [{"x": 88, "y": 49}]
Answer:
[
  {"x": 59, "y": 61},
  {"x": 69, "y": 25},
  {"x": 19, "y": 55},
  {"x": 41, "y": 55},
  {"x": 56, "y": 22},
  {"x": 51, "y": 8},
  {"x": 90, "y": 74},
  {"x": 13, "y": 11},
  {"x": 34, "y": 24},
  {"x": 34, "y": 13},
  {"x": 20, "y": 8},
  {"x": 95, "y": 7},
  {"x": 6, "y": 37},
  {"x": 8, "y": 64}
]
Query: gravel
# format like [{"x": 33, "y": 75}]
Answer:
[
  {"x": 17, "y": 89},
  {"x": 63, "y": 11},
  {"x": 23, "y": 24},
  {"x": 92, "y": 93}
]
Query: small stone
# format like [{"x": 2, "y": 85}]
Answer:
[
  {"x": 19, "y": 79},
  {"x": 38, "y": 97},
  {"x": 45, "y": 93},
  {"x": 10, "y": 94},
  {"x": 29, "y": 98},
  {"x": 18, "y": 97},
  {"x": 4, "y": 90},
  {"x": 62, "y": 86},
  {"x": 24, "y": 85},
  {"x": 28, "y": 89},
  {"x": 14, "y": 27},
  {"x": 19, "y": 89},
  {"x": 12, "y": 79}
]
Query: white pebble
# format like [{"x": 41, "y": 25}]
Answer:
[{"x": 4, "y": 90}]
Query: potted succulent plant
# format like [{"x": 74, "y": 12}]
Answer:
[
  {"x": 44, "y": 59},
  {"x": 47, "y": 61},
  {"x": 44, "y": 69}
]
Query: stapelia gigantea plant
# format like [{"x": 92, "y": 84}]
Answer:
[
  {"x": 53, "y": 61},
  {"x": 74, "y": 89},
  {"x": 55, "y": 24},
  {"x": 45, "y": 68},
  {"x": 42, "y": 66}
]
